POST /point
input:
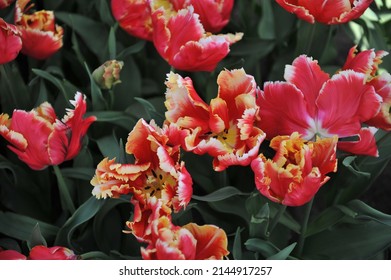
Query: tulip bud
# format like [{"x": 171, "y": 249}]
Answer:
[{"x": 107, "y": 75}]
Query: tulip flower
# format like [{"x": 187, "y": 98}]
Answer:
[
  {"x": 315, "y": 105},
  {"x": 134, "y": 17},
  {"x": 190, "y": 242},
  {"x": 10, "y": 42},
  {"x": 193, "y": 50},
  {"x": 224, "y": 129},
  {"x": 5, "y": 3},
  {"x": 367, "y": 62},
  {"x": 156, "y": 172},
  {"x": 40, "y": 35},
  {"x": 107, "y": 75},
  {"x": 11, "y": 255},
  {"x": 41, "y": 252},
  {"x": 297, "y": 170},
  {"x": 327, "y": 12},
  {"x": 40, "y": 139}
]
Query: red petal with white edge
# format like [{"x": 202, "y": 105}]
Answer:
[
  {"x": 185, "y": 188},
  {"x": 300, "y": 11},
  {"x": 307, "y": 76},
  {"x": 345, "y": 102},
  {"x": 211, "y": 241},
  {"x": 201, "y": 55},
  {"x": 184, "y": 106},
  {"x": 243, "y": 156},
  {"x": 78, "y": 125},
  {"x": 36, "y": 132},
  {"x": 41, "y": 44},
  {"x": 171, "y": 32},
  {"x": 360, "y": 62},
  {"x": 366, "y": 145},
  {"x": 326, "y": 11},
  {"x": 359, "y": 7},
  {"x": 283, "y": 110},
  {"x": 382, "y": 85}
]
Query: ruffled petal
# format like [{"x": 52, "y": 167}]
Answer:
[
  {"x": 184, "y": 106},
  {"x": 382, "y": 86},
  {"x": 365, "y": 145},
  {"x": 211, "y": 241},
  {"x": 345, "y": 102},
  {"x": 279, "y": 117},
  {"x": 307, "y": 76}
]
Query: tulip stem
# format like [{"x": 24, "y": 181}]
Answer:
[
  {"x": 311, "y": 38},
  {"x": 64, "y": 191},
  {"x": 304, "y": 226},
  {"x": 276, "y": 218}
]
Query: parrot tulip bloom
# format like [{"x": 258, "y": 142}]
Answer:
[
  {"x": 10, "y": 42},
  {"x": 166, "y": 178},
  {"x": 193, "y": 50},
  {"x": 190, "y": 242},
  {"x": 297, "y": 170},
  {"x": 41, "y": 37},
  {"x": 327, "y": 12},
  {"x": 319, "y": 105},
  {"x": 225, "y": 129},
  {"x": 156, "y": 172},
  {"x": 134, "y": 16},
  {"x": 40, "y": 139},
  {"x": 41, "y": 252},
  {"x": 367, "y": 62}
]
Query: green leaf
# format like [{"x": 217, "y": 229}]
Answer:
[
  {"x": 82, "y": 173},
  {"x": 137, "y": 47},
  {"x": 151, "y": 110},
  {"x": 36, "y": 238},
  {"x": 237, "y": 245},
  {"x": 121, "y": 119},
  {"x": 363, "y": 233},
  {"x": 266, "y": 24},
  {"x": 109, "y": 146},
  {"x": 109, "y": 223},
  {"x": 259, "y": 222},
  {"x": 59, "y": 84},
  {"x": 264, "y": 247},
  {"x": 84, "y": 213},
  {"x": 284, "y": 253},
  {"x": 93, "y": 33},
  {"x": 20, "y": 226},
  {"x": 220, "y": 194}
]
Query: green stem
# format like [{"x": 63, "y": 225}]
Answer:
[
  {"x": 64, "y": 191},
  {"x": 304, "y": 226},
  {"x": 311, "y": 38},
  {"x": 276, "y": 218}
]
